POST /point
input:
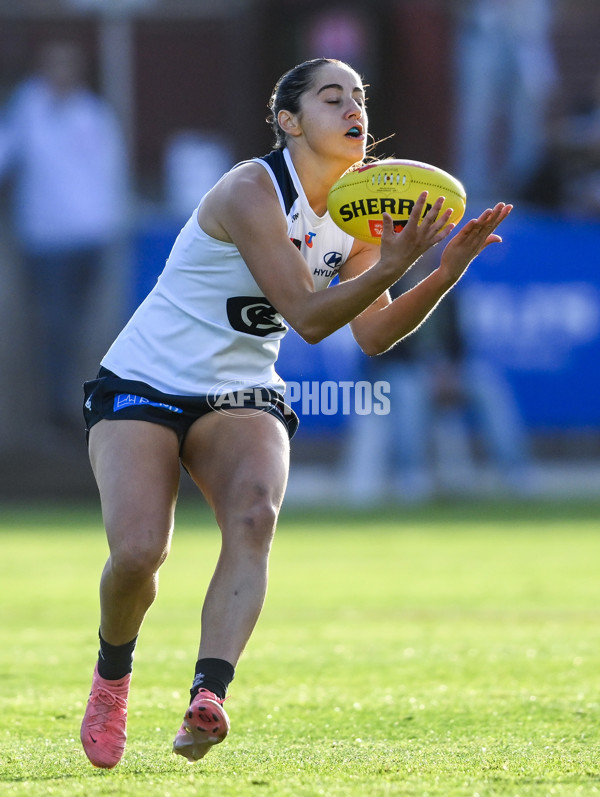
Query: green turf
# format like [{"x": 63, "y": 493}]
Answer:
[{"x": 442, "y": 651}]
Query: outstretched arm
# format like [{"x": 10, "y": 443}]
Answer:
[
  {"x": 244, "y": 209},
  {"x": 386, "y": 322}
]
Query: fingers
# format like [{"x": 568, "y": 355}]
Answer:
[
  {"x": 431, "y": 220},
  {"x": 492, "y": 217},
  {"x": 489, "y": 219},
  {"x": 479, "y": 233},
  {"x": 431, "y": 217},
  {"x": 388, "y": 224},
  {"x": 417, "y": 210},
  {"x": 472, "y": 239},
  {"x": 487, "y": 222}
]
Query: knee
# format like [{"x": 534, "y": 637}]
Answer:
[
  {"x": 256, "y": 519},
  {"x": 137, "y": 560}
]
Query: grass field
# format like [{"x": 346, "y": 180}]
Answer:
[{"x": 438, "y": 651}]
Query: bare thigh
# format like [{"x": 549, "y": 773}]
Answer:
[
  {"x": 240, "y": 461},
  {"x": 136, "y": 466}
]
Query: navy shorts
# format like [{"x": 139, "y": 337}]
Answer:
[{"x": 110, "y": 397}]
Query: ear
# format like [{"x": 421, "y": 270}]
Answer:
[{"x": 289, "y": 123}]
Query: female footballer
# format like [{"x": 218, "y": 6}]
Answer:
[{"x": 249, "y": 257}]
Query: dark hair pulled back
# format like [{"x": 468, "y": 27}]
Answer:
[{"x": 288, "y": 91}]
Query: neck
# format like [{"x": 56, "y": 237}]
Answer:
[{"x": 317, "y": 175}]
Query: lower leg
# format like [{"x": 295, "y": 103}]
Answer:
[
  {"x": 124, "y": 601},
  {"x": 241, "y": 466},
  {"x": 123, "y": 607},
  {"x": 233, "y": 602},
  {"x": 231, "y": 609}
]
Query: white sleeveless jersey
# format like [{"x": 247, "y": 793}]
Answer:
[{"x": 206, "y": 326}]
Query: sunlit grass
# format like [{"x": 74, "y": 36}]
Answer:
[{"x": 441, "y": 651}]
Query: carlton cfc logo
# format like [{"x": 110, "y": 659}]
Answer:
[{"x": 254, "y": 315}]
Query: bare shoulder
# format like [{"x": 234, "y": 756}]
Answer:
[{"x": 242, "y": 196}]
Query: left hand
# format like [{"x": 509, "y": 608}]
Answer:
[{"x": 471, "y": 240}]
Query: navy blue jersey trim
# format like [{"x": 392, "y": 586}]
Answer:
[{"x": 279, "y": 168}]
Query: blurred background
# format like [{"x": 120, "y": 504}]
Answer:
[{"x": 117, "y": 115}]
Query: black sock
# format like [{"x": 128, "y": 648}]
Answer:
[
  {"x": 214, "y": 675},
  {"x": 115, "y": 661}
]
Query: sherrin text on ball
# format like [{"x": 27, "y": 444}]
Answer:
[{"x": 358, "y": 200}]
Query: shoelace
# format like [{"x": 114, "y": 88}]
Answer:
[
  {"x": 101, "y": 717},
  {"x": 211, "y": 696}
]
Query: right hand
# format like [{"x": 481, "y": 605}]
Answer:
[{"x": 400, "y": 250}]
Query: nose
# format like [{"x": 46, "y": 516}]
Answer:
[{"x": 355, "y": 110}]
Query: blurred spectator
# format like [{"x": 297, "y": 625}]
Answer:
[
  {"x": 442, "y": 402},
  {"x": 194, "y": 162},
  {"x": 342, "y": 32},
  {"x": 505, "y": 73},
  {"x": 574, "y": 158},
  {"x": 64, "y": 150}
]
